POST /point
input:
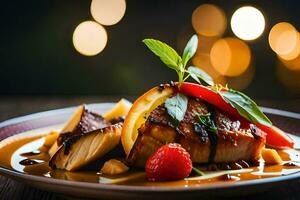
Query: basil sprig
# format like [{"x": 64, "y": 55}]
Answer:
[
  {"x": 176, "y": 107},
  {"x": 171, "y": 58},
  {"x": 245, "y": 106},
  {"x": 199, "y": 75}
]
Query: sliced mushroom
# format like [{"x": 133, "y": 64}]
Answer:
[
  {"x": 87, "y": 136},
  {"x": 68, "y": 127},
  {"x": 79, "y": 150},
  {"x": 82, "y": 121}
]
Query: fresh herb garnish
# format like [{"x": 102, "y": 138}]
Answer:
[
  {"x": 242, "y": 103},
  {"x": 166, "y": 53},
  {"x": 190, "y": 49},
  {"x": 245, "y": 106},
  {"x": 200, "y": 75},
  {"x": 198, "y": 171},
  {"x": 206, "y": 121},
  {"x": 176, "y": 107},
  {"x": 171, "y": 58}
]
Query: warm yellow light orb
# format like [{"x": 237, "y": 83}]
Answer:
[
  {"x": 108, "y": 12},
  {"x": 247, "y": 23},
  {"x": 230, "y": 56},
  {"x": 203, "y": 62},
  {"x": 89, "y": 38},
  {"x": 209, "y": 20},
  {"x": 284, "y": 39}
]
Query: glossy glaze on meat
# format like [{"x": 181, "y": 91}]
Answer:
[{"x": 234, "y": 141}]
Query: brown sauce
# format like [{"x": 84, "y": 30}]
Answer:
[
  {"x": 291, "y": 164},
  {"x": 228, "y": 177},
  {"x": 29, "y": 155},
  {"x": 27, "y": 161}
]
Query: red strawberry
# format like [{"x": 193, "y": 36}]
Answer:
[{"x": 169, "y": 162}]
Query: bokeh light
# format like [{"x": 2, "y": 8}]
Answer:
[
  {"x": 89, "y": 38},
  {"x": 242, "y": 81},
  {"x": 183, "y": 37},
  {"x": 230, "y": 56},
  {"x": 293, "y": 64},
  {"x": 202, "y": 61},
  {"x": 247, "y": 23},
  {"x": 108, "y": 12},
  {"x": 205, "y": 44},
  {"x": 289, "y": 78},
  {"x": 209, "y": 20},
  {"x": 284, "y": 40}
]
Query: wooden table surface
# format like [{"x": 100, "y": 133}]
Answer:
[{"x": 15, "y": 106}]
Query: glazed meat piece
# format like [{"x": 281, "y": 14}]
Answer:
[{"x": 233, "y": 141}]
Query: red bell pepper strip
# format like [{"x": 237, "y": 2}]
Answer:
[
  {"x": 275, "y": 137},
  {"x": 207, "y": 94}
]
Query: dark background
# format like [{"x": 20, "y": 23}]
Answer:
[
  {"x": 38, "y": 58},
  {"x": 41, "y": 70}
]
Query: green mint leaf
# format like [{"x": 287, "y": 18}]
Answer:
[
  {"x": 245, "y": 106},
  {"x": 190, "y": 49},
  {"x": 166, "y": 53},
  {"x": 200, "y": 75},
  {"x": 176, "y": 106}
]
